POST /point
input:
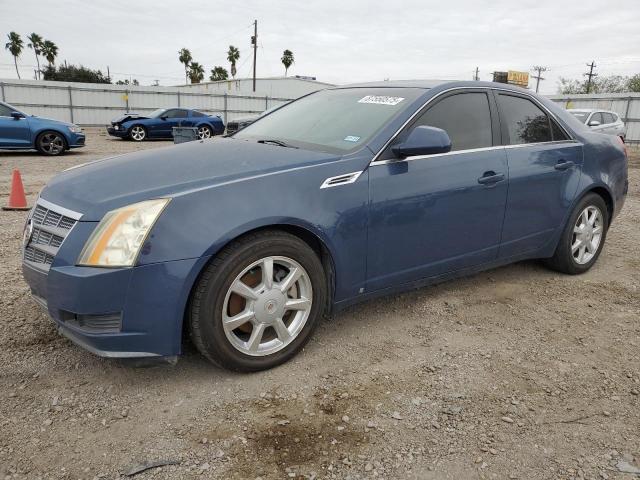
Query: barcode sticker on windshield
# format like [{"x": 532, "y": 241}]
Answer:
[{"x": 381, "y": 100}]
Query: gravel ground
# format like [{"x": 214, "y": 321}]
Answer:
[{"x": 517, "y": 372}]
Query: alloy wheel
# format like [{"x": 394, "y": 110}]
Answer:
[
  {"x": 267, "y": 306},
  {"x": 204, "y": 132},
  {"x": 138, "y": 133},
  {"x": 587, "y": 235},
  {"x": 52, "y": 143}
]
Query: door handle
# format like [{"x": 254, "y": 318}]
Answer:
[
  {"x": 564, "y": 165},
  {"x": 490, "y": 178}
]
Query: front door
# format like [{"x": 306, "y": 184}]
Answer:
[
  {"x": 14, "y": 132},
  {"x": 434, "y": 214}
]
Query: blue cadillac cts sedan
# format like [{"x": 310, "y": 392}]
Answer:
[{"x": 343, "y": 195}]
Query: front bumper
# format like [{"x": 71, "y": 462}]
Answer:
[
  {"x": 76, "y": 140},
  {"x": 149, "y": 302},
  {"x": 120, "y": 133}
]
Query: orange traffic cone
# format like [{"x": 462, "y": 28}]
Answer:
[{"x": 17, "y": 200}]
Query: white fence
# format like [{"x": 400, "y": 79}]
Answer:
[
  {"x": 97, "y": 104},
  {"x": 627, "y": 105}
]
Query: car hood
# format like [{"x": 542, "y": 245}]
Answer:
[
  {"x": 49, "y": 121},
  {"x": 126, "y": 117},
  {"x": 97, "y": 187}
]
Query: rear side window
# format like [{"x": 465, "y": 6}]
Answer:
[
  {"x": 465, "y": 117},
  {"x": 176, "y": 113},
  {"x": 195, "y": 113},
  {"x": 525, "y": 121},
  {"x": 607, "y": 117}
]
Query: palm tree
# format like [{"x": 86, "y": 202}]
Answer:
[
  {"x": 233, "y": 55},
  {"x": 287, "y": 60},
  {"x": 196, "y": 72},
  {"x": 184, "y": 56},
  {"x": 218, "y": 73},
  {"x": 49, "y": 51},
  {"x": 14, "y": 45},
  {"x": 35, "y": 43}
]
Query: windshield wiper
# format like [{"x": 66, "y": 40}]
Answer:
[{"x": 273, "y": 141}]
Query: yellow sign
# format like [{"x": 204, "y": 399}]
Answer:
[{"x": 518, "y": 78}]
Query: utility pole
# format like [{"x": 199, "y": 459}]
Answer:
[
  {"x": 254, "y": 42},
  {"x": 539, "y": 69},
  {"x": 476, "y": 77},
  {"x": 590, "y": 75}
]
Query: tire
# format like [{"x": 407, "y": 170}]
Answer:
[
  {"x": 204, "y": 132},
  {"x": 138, "y": 133},
  {"x": 51, "y": 143},
  {"x": 567, "y": 259},
  {"x": 215, "y": 307}
]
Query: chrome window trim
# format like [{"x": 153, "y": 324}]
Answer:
[
  {"x": 469, "y": 150},
  {"x": 58, "y": 209},
  {"x": 375, "y": 160}
]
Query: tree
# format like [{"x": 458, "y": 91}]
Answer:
[
  {"x": 49, "y": 51},
  {"x": 233, "y": 55},
  {"x": 287, "y": 60},
  {"x": 218, "y": 73},
  {"x": 14, "y": 45},
  {"x": 196, "y": 72},
  {"x": 184, "y": 56},
  {"x": 569, "y": 86},
  {"x": 35, "y": 43},
  {"x": 609, "y": 84},
  {"x": 71, "y": 73},
  {"x": 634, "y": 83},
  {"x": 134, "y": 82}
]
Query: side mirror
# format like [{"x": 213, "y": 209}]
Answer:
[
  {"x": 17, "y": 115},
  {"x": 594, "y": 123},
  {"x": 423, "y": 140}
]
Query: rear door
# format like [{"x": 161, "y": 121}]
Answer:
[
  {"x": 13, "y": 132},
  {"x": 544, "y": 171},
  {"x": 433, "y": 214}
]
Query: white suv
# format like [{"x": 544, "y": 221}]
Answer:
[{"x": 603, "y": 121}]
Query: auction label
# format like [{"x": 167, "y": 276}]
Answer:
[{"x": 381, "y": 100}]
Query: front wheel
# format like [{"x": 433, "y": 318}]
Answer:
[
  {"x": 583, "y": 237},
  {"x": 137, "y": 133},
  {"x": 204, "y": 131},
  {"x": 51, "y": 143},
  {"x": 257, "y": 303}
]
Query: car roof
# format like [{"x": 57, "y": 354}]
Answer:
[
  {"x": 429, "y": 84},
  {"x": 590, "y": 110}
]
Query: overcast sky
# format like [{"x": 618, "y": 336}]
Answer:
[{"x": 335, "y": 41}]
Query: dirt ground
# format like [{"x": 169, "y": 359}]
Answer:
[{"x": 518, "y": 372}]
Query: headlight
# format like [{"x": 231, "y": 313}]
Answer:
[
  {"x": 120, "y": 234},
  {"x": 116, "y": 127},
  {"x": 75, "y": 129}
]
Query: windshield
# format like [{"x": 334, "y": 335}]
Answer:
[
  {"x": 157, "y": 113},
  {"x": 582, "y": 116},
  {"x": 338, "y": 121}
]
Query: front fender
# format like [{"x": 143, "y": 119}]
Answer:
[{"x": 199, "y": 223}]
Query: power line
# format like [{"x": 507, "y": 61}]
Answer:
[
  {"x": 538, "y": 77},
  {"x": 590, "y": 75}
]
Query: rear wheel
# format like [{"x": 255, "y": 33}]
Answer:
[
  {"x": 257, "y": 303},
  {"x": 51, "y": 143},
  {"x": 583, "y": 237},
  {"x": 138, "y": 133},
  {"x": 204, "y": 131}
]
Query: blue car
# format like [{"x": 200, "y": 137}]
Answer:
[
  {"x": 160, "y": 123},
  {"x": 20, "y": 131},
  {"x": 341, "y": 196}
]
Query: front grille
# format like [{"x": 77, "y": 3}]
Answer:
[{"x": 49, "y": 229}]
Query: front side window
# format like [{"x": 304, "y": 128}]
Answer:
[
  {"x": 465, "y": 117},
  {"x": 336, "y": 120},
  {"x": 525, "y": 121},
  {"x": 5, "y": 111},
  {"x": 596, "y": 117}
]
